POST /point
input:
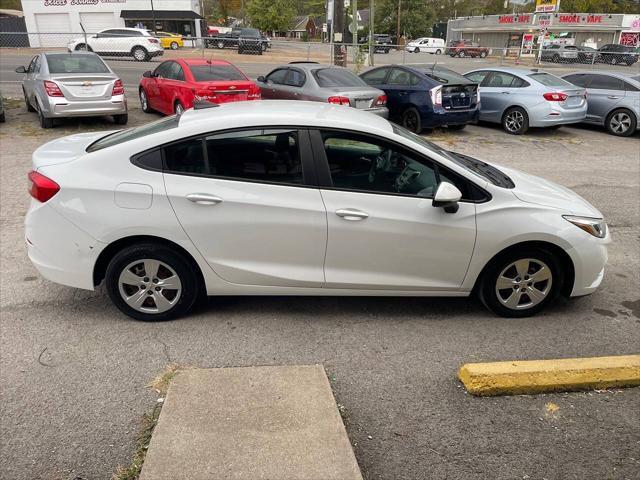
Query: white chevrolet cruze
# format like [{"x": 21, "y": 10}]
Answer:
[{"x": 299, "y": 198}]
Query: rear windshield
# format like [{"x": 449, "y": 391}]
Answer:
[
  {"x": 480, "y": 168},
  {"x": 446, "y": 76},
  {"x": 212, "y": 73},
  {"x": 122, "y": 136},
  {"x": 337, "y": 77},
  {"x": 74, "y": 63},
  {"x": 549, "y": 80}
]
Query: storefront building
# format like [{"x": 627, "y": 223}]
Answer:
[
  {"x": 51, "y": 23},
  {"x": 523, "y": 30}
]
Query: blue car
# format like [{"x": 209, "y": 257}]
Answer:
[{"x": 426, "y": 96}]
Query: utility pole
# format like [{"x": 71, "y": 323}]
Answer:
[
  {"x": 338, "y": 32},
  {"x": 153, "y": 17},
  {"x": 354, "y": 27},
  {"x": 371, "y": 32},
  {"x": 398, "y": 26}
]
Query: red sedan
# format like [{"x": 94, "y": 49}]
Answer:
[{"x": 174, "y": 85}]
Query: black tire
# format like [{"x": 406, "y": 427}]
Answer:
[
  {"x": 174, "y": 45},
  {"x": 416, "y": 50},
  {"x": 488, "y": 286},
  {"x": 438, "y": 52},
  {"x": 514, "y": 129},
  {"x": 3, "y": 118},
  {"x": 121, "y": 119},
  {"x": 144, "y": 101},
  {"x": 483, "y": 54},
  {"x": 140, "y": 54},
  {"x": 621, "y": 122},
  {"x": 44, "y": 121},
  {"x": 613, "y": 60},
  {"x": 183, "y": 268},
  {"x": 457, "y": 127},
  {"x": 411, "y": 120},
  {"x": 220, "y": 44},
  {"x": 26, "y": 102},
  {"x": 461, "y": 54},
  {"x": 178, "y": 108}
]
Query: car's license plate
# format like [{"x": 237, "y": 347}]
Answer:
[{"x": 363, "y": 103}]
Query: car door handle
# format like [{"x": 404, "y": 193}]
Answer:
[
  {"x": 613, "y": 97},
  {"x": 351, "y": 214},
  {"x": 203, "y": 199}
]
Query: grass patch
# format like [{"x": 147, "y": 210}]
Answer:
[
  {"x": 12, "y": 102},
  {"x": 148, "y": 422}
]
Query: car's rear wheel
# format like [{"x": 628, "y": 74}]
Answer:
[
  {"x": 220, "y": 44},
  {"x": 44, "y": 121},
  {"x": 461, "y": 54},
  {"x": 515, "y": 121},
  {"x": 521, "y": 282},
  {"x": 152, "y": 282},
  {"x": 411, "y": 120},
  {"x": 140, "y": 54},
  {"x": 121, "y": 119},
  {"x": 174, "y": 45},
  {"x": 621, "y": 122},
  {"x": 178, "y": 108},
  {"x": 26, "y": 102},
  {"x": 457, "y": 127},
  {"x": 613, "y": 60},
  {"x": 144, "y": 101},
  {"x": 83, "y": 46},
  {"x": 483, "y": 54},
  {"x": 416, "y": 50},
  {"x": 438, "y": 52}
]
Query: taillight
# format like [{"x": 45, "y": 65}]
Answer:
[
  {"x": 381, "y": 101},
  {"x": 436, "y": 95},
  {"x": 153, "y": 40},
  {"x": 254, "y": 93},
  {"x": 52, "y": 89},
  {"x": 42, "y": 188},
  {"x": 118, "y": 88},
  {"x": 338, "y": 100},
  {"x": 555, "y": 96}
]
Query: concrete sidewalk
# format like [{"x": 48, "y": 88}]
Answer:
[{"x": 277, "y": 423}]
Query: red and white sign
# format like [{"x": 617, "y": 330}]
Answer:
[{"x": 523, "y": 18}]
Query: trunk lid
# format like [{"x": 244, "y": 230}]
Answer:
[
  {"x": 65, "y": 149},
  {"x": 462, "y": 96},
  {"x": 223, "y": 92},
  {"x": 359, "y": 97},
  {"x": 82, "y": 86}
]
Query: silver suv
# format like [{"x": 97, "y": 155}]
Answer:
[{"x": 560, "y": 54}]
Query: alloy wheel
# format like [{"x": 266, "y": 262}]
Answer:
[
  {"x": 620, "y": 123},
  {"x": 514, "y": 121},
  {"x": 139, "y": 54},
  {"x": 143, "y": 101},
  {"x": 523, "y": 284},
  {"x": 149, "y": 286},
  {"x": 174, "y": 45}
]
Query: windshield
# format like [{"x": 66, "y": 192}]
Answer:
[
  {"x": 250, "y": 32},
  {"x": 337, "y": 77},
  {"x": 478, "y": 167},
  {"x": 75, "y": 63},
  {"x": 549, "y": 80},
  {"x": 122, "y": 136},
  {"x": 212, "y": 73}
]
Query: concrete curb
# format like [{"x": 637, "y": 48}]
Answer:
[{"x": 540, "y": 376}]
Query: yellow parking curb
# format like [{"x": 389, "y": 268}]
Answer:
[{"x": 539, "y": 376}]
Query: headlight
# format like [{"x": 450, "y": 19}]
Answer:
[{"x": 593, "y": 226}]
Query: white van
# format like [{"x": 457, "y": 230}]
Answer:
[{"x": 426, "y": 45}]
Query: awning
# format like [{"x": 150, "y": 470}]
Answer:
[{"x": 160, "y": 15}]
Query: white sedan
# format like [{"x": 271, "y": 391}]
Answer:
[{"x": 300, "y": 198}]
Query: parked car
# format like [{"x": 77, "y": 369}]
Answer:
[
  {"x": 382, "y": 43},
  {"x": 75, "y": 84},
  {"x": 300, "y": 198},
  {"x": 559, "y": 54},
  {"x": 251, "y": 41},
  {"x": 520, "y": 98},
  {"x": 586, "y": 54},
  {"x": 117, "y": 42},
  {"x": 169, "y": 40},
  {"x": 426, "y": 96},
  {"x": 175, "y": 84},
  {"x": 237, "y": 36},
  {"x": 614, "y": 99},
  {"x": 426, "y": 45},
  {"x": 615, "y": 54},
  {"x": 322, "y": 83},
  {"x": 466, "y": 48}
]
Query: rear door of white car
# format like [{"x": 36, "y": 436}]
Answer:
[
  {"x": 247, "y": 200},
  {"x": 384, "y": 232}
]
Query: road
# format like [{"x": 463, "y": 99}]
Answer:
[{"x": 74, "y": 370}]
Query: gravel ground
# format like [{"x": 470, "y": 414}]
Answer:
[{"x": 73, "y": 369}]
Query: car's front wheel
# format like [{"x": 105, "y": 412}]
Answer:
[
  {"x": 174, "y": 45},
  {"x": 27, "y": 103},
  {"x": 144, "y": 101},
  {"x": 521, "y": 282},
  {"x": 483, "y": 54},
  {"x": 416, "y": 50},
  {"x": 220, "y": 44},
  {"x": 152, "y": 282}
]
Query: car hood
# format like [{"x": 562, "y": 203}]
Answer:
[
  {"x": 65, "y": 149},
  {"x": 537, "y": 190}
]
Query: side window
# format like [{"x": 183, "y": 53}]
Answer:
[
  {"x": 185, "y": 157},
  {"x": 164, "y": 70},
  {"x": 399, "y": 77},
  {"x": 32, "y": 65},
  {"x": 604, "y": 82},
  {"x": 296, "y": 78},
  {"x": 176, "y": 72},
  {"x": 361, "y": 163},
  {"x": 257, "y": 155},
  {"x": 477, "y": 77},
  {"x": 501, "y": 80},
  {"x": 631, "y": 88},
  {"x": 375, "y": 77},
  {"x": 578, "y": 79},
  {"x": 36, "y": 66},
  {"x": 278, "y": 76}
]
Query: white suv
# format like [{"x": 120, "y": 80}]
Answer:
[{"x": 116, "y": 42}]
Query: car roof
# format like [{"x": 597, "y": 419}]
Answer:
[
  {"x": 622, "y": 75},
  {"x": 309, "y": 66},
  {"x": 511, "y": 70},
  {"x": 203, "y": 61},
  {"x": 72, "y": 52},
  {"x": 126, "y": 28},
  {"x": 282, "y": 112}
]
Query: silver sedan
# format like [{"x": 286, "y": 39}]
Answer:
[
  {"x": 74, "y": 84},
  {"x": 520, "y": 98},
  {"x": 322, "y": 83}
]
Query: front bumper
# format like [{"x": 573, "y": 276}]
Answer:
[
  {"x": 59, "y": 107},
  {"x": 589, "y": 259},
  {"x": 156, "y": 53}
]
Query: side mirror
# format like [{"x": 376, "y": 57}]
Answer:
[
  {"x": 21, "y": 70},
  {"x": 447, "y": 196},
  {"x": 147, "y": 74},
  {"x": 261, "y": 79}
]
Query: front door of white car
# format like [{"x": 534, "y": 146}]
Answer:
[
  {"x": 241, "y": 198},
  {"x": 384, "y": 232}
]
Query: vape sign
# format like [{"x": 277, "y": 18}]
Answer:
[{"x": 546, "y": 6}]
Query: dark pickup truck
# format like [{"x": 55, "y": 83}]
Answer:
[{"x": 244, "y": 39}]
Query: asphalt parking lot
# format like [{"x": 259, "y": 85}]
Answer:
[{"x": 74, "y": 369}]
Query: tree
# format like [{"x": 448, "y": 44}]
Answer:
[
  {"x": 416, "y": 17},
  {"x": 271, "y": 15}
]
